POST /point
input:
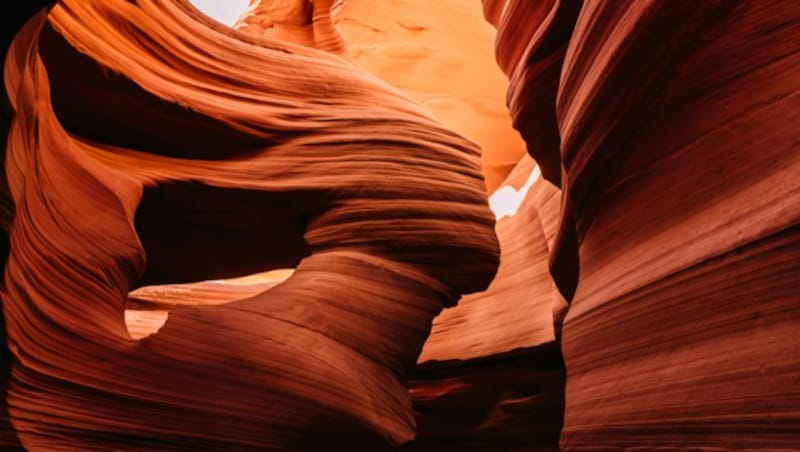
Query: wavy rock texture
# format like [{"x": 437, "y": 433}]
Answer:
[
  {"x": 667, "y": 215},
  {"x": 531, "y": 42},
  {"x": 438, "y": 53},
  {"x": 679, "y": 158},
  {"x": 491, "y": 374},
  {"x": 441, "y": 55},
  {"x": 147, "y": 308},
  {"x": 491, "y": 371},
  {"x": 299, "y": 21},
  {"x": 487, "y": 323},
  {"x": 214, "y": 155},
  {"x": 532, "y": 39},
  {"x": 15, "y": 15}
]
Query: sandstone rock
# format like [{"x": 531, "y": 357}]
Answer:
[
  {"x": 151, "y": 146},
  {"x": 680, "y": 171},
  {"x": 491, "y": 373},
  {"x": 647, "y": 288},
  {"x": 441, "y": 54},
  {"x": 304, "y": 22}
]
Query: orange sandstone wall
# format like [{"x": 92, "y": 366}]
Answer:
[
  {"x": 439, "y": 53},
  {"x": 646, "y": 296},
  {"x": 491, "y": 376},
  {"x": 149, "y": 146}
]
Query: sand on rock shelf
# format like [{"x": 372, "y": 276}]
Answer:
[{"x": 375, "y": 225}]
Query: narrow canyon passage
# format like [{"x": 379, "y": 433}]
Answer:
[{"x": 504, "y": 225}]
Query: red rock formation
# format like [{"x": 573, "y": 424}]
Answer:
[
  {"x": 488, "y": 323},
  {"x": 532, "y": 38},
  {"x": 147, "y": 308},
  {"x": 672, "y": 228},
  {"x": 304, "y": 22},
  {"x": 441, "y": 54},
  {"x": 491, "y": 373},
  {"x": 15, "y": 14},
  {"x": 150, "y": 147},
  {"x": 677, "y": 142}
]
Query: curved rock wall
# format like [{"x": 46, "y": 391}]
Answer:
[
  {"x": 646, "y": 297},
  {"x": 299, "y": 21},
  {"x": 679, "y": 162},
  {"x": 210, "y": 156},
  {"x": 491, "y": 373},
  {"x": 439, "y": 53}
]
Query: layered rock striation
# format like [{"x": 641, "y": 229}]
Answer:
[
  {"x": 671, "y": 130},
  {"x": 491, "y": 373},
  {"x": 150, "y": 146},
  {"x": 647, "y": 287},
  {"x": 304, "y": 22},
  {"x": 440, "y": 54}
]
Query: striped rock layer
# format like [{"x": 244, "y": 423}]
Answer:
[
  {"x": 671, "y": 129},
  {"x": 647, "y": 291},
  {"x": 150, "y": 146}
]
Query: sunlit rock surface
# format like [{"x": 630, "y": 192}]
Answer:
[
  {"x": 299, "y": 21},
  {"x": 440, "y": 53},
  {"x": 491, "y": 372},
  {"x": 150, "y": 146},
  {"x": 147, "y": 308},
  {"x": 486, "y": 324},
  {"x": 647, "y": 291}
]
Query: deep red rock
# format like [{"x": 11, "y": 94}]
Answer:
[{"x": 677, "y": 128}]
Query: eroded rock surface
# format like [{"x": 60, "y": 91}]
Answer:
[
  {"x": 491, "y": 373},
  {"x": 646, "y": 297},
  {"x": 672, "y": 132},
  {"x": 439, "y": 53},
  {"x": 304, "y": 22},
  {"x": 150, "y": 146}
]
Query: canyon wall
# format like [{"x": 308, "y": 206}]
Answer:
[
  {"x": 646, "y": 296},
  {"x": 672, "y": 131},
  {"x": 440, "y": 54},
  {"x": 151, "y": 146},
  {"x": 491, "y": 374}
]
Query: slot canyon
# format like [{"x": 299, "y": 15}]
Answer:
[{"x": 414, "y": 225}]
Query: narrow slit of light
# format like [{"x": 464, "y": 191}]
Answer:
[
  {"x": 506, "y": 201},
  {"x": 223, "y": 11}
]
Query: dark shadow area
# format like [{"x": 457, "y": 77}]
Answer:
[
  {"x": 8, "y": 436},
  {"x": 193, "y": 232},
  {"x": 509, "y": 402},
  {"x": 15, "y": 14},
  {"x": 125, "y": 115}
]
